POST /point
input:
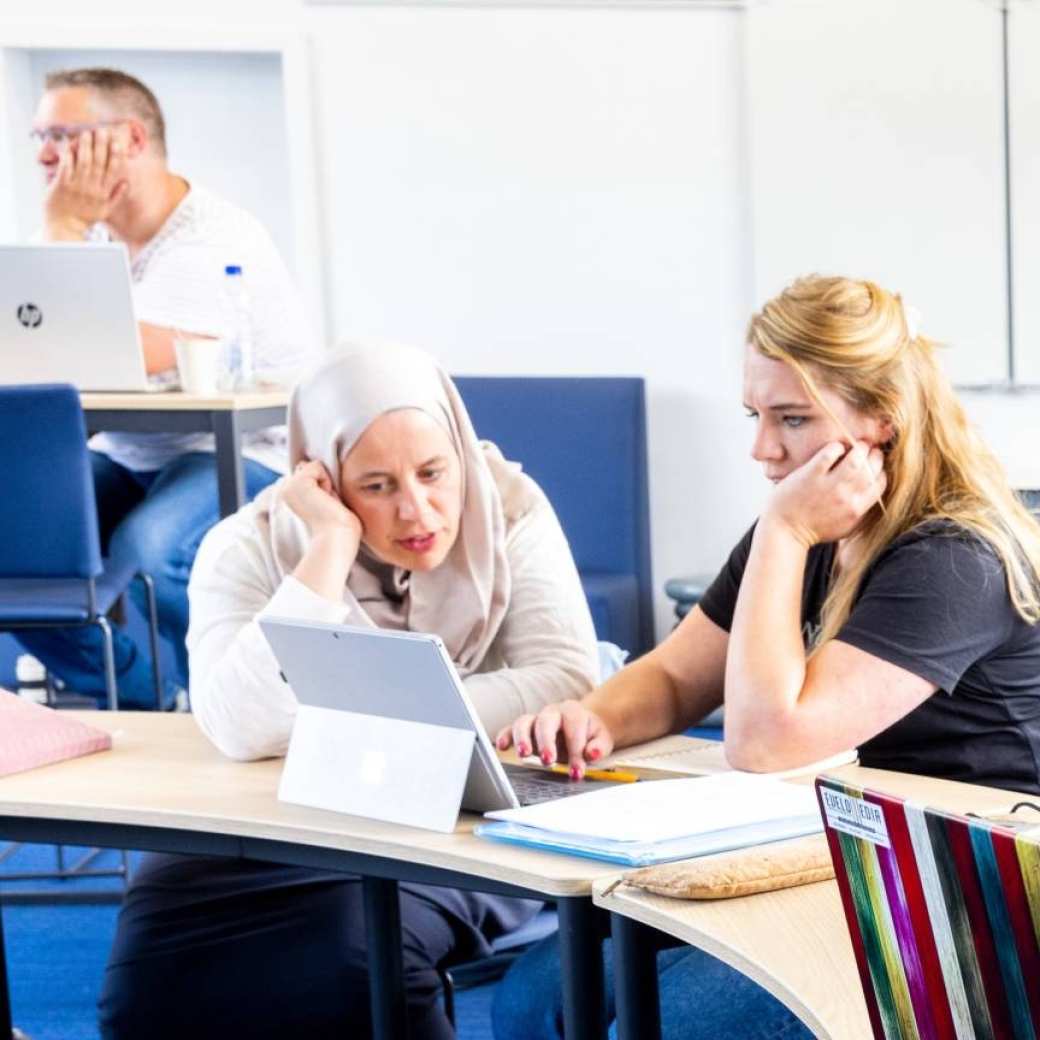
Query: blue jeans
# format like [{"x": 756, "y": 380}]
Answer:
[
  {"x": 158, "y": 520},
  {"x": 701, "y": 999}
]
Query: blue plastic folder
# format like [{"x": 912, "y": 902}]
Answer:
[
  {"x": 663, "y": 820},
  {"x": 646, "y": 854}
]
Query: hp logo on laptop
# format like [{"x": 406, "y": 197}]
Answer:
[{"x": 30, "y": 315}]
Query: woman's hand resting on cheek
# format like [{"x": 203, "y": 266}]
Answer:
[
  {"x": 825, "y": 500},
  {"x": 335, "y": 531},
  {"x": 308, "y": 492}
]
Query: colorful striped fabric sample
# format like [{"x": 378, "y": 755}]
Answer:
[{"x": 944, "y": 916}]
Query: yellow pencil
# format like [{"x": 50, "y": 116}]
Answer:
[{"x": 619, "y": 776}]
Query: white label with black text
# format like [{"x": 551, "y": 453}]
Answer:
[{"x": 854, "y": 816}]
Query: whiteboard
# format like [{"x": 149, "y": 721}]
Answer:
[
  {"x": 1024, "y": 41},
  {"x": 876, "y": 150}
]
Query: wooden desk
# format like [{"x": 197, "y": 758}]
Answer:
[
  {"x": 227, "y": 417},
  {"x": 793, "y": 943},
  {"x": 163, "y": 787}
]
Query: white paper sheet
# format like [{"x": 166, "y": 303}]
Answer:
[{"x": 662, "y": 810}]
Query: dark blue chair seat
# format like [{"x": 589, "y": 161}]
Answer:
[{"x": 61, "y": 601}]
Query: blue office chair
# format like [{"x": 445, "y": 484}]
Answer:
[
  {"x": 51, "y": 571},
  {"x": 583, "y": 439},
  {"x": 1030, "y": 499}
]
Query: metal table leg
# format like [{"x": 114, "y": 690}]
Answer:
[
  {"x": 581, "y": 967},
  {"x": 635, "y": 979},
  {"x": 5, "y": 999},
  {"x": 231, "y": 482},
  {"x": 385, "y": 967}
]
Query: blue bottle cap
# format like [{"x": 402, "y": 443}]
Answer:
[{"x": 232, "y": 269}]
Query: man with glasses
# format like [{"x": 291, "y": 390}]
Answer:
[{"x": 101, "y": 142}]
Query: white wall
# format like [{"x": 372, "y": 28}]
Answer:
[{"x": 1010, "y": 423}]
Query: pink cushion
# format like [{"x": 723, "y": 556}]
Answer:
[{"x": 32, "y": 735}]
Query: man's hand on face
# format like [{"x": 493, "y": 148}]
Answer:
[{"x": 90, "y": 182}]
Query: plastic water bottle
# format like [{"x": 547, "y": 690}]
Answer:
[{"x": 239, "y": 352}]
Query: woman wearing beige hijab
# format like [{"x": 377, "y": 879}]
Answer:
[{"x": 394, "y": 516}]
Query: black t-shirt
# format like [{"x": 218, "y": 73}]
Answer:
[{"x": 936, "y": 603}]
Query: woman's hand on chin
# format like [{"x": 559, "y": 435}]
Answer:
[
  {"x": 825, "y": 500},
  {"x": 565, "y": 728},
  {"x": 335, "y": 531}
]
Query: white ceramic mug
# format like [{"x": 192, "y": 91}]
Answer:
[{"x": 198, "y": 364}]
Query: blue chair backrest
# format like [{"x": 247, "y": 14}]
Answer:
[
  {"x": 49, "y": 527},
  {"x": 583, "y": 439}
]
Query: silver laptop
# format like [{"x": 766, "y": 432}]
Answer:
[
  {"x": 67, "y": 316},
  {"x": 407, "y": 676}
]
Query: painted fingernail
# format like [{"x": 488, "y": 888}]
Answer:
[
  {"x": 522, "y": 750},
  {"x": 575, "y": 773},
  {"x": 547, "y": 756},
  {"x": 595, "y": 753}
]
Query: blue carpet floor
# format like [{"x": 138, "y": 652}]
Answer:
[{"x": 56, "y": 956}]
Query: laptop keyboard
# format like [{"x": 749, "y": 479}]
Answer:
[{"x": 532, "y": 786}]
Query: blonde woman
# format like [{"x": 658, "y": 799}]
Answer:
[{"x": 886, "y": 599}]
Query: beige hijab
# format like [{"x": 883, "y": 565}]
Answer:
[{"x": 464, "y": 599}]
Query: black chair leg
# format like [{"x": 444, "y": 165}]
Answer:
[
  {"x": 50, "y": 692},
  {"x": 448, "y": 988}
]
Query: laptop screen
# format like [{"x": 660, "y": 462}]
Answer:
[{"x": 943, "y": 912}]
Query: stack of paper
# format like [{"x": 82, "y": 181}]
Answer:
[
  {"x": 657, "y": 821},
  {"x": 32, "y": 735},
  {"x": 696, "y": 757}
]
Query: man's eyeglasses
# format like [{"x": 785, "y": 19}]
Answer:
[{"x": 59, "y": 135}]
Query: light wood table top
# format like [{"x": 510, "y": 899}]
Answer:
[
  {"x": 176, "y": 400},
  {"x": 794, "y": 943},
  {"x": 162, "y": 772}
]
